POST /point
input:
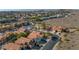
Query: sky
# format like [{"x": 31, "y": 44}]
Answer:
[
  {"x": 39, "y": 4},
  {"x": 24, "y": 9},
  {"x": 16, "y": 9}
]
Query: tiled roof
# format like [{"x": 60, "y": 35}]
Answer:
[
  {"x": 56, "y": 28},
  {"x": 1, "y": 37},
  {"x": 22, "y": 41},
  {"x": 34, "y": 35},
  {"x": 20, "y": 30},
  {"x": 11, "y": 46}
]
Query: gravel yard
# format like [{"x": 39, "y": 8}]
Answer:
[{"x": 72, "y": 39}]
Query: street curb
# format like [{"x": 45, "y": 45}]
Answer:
[{"x": 55, "y": 46}]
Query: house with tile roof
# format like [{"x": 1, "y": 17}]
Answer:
[
  {"x": 22, "y": 41},
  {"x": 56, "y": 28},
  {"x": 1, "y": 38},
  {"x": 34, "y": 35},
  {"x": 11, "y": 46}
]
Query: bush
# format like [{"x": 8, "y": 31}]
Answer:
[
  {"x": 12, "y": 38},
  {"x": 23, "y": 34},
  {"x": 46, "y": 35}
]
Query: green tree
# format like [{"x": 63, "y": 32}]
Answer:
[
  {"x": 12, "y": 38},
  {"x": 23, "y": 34}
]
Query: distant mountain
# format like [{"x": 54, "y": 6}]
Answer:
[{"x": 28, "y": 9}]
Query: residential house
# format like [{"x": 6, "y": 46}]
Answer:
[
  {"x": 22, "y": 41},
  {"x": 34, "y": 35},
  {"x": 20, "y": 30},
  {"x": 11, "y": 46},
  {"x": 56, "y": 28},
  {"x": 1, "y": 38}
]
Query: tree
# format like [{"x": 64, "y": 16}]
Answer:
[
  {"x": 43, "y": 25},
  {"x": 46, "y": 35},
  {"x": 12, "y": 38},
  {"x": 23, "y": 34}
]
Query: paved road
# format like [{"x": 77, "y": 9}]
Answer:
[{"x": 51, "y": 43}]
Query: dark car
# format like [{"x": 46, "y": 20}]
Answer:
[{"x": 55, "y": 38}]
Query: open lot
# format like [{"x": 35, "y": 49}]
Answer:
[{"x": 71, "y": 41}]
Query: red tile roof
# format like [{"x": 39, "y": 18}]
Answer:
[
  {"x": 11, "y": 46},
  {"x": 20, "y": 30},
  {"x": 22, "y": 41},
  {"x": 34, "y": 35},
  {"x": 1, "y": 38},
  {"x": 56, "y": 28}
]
